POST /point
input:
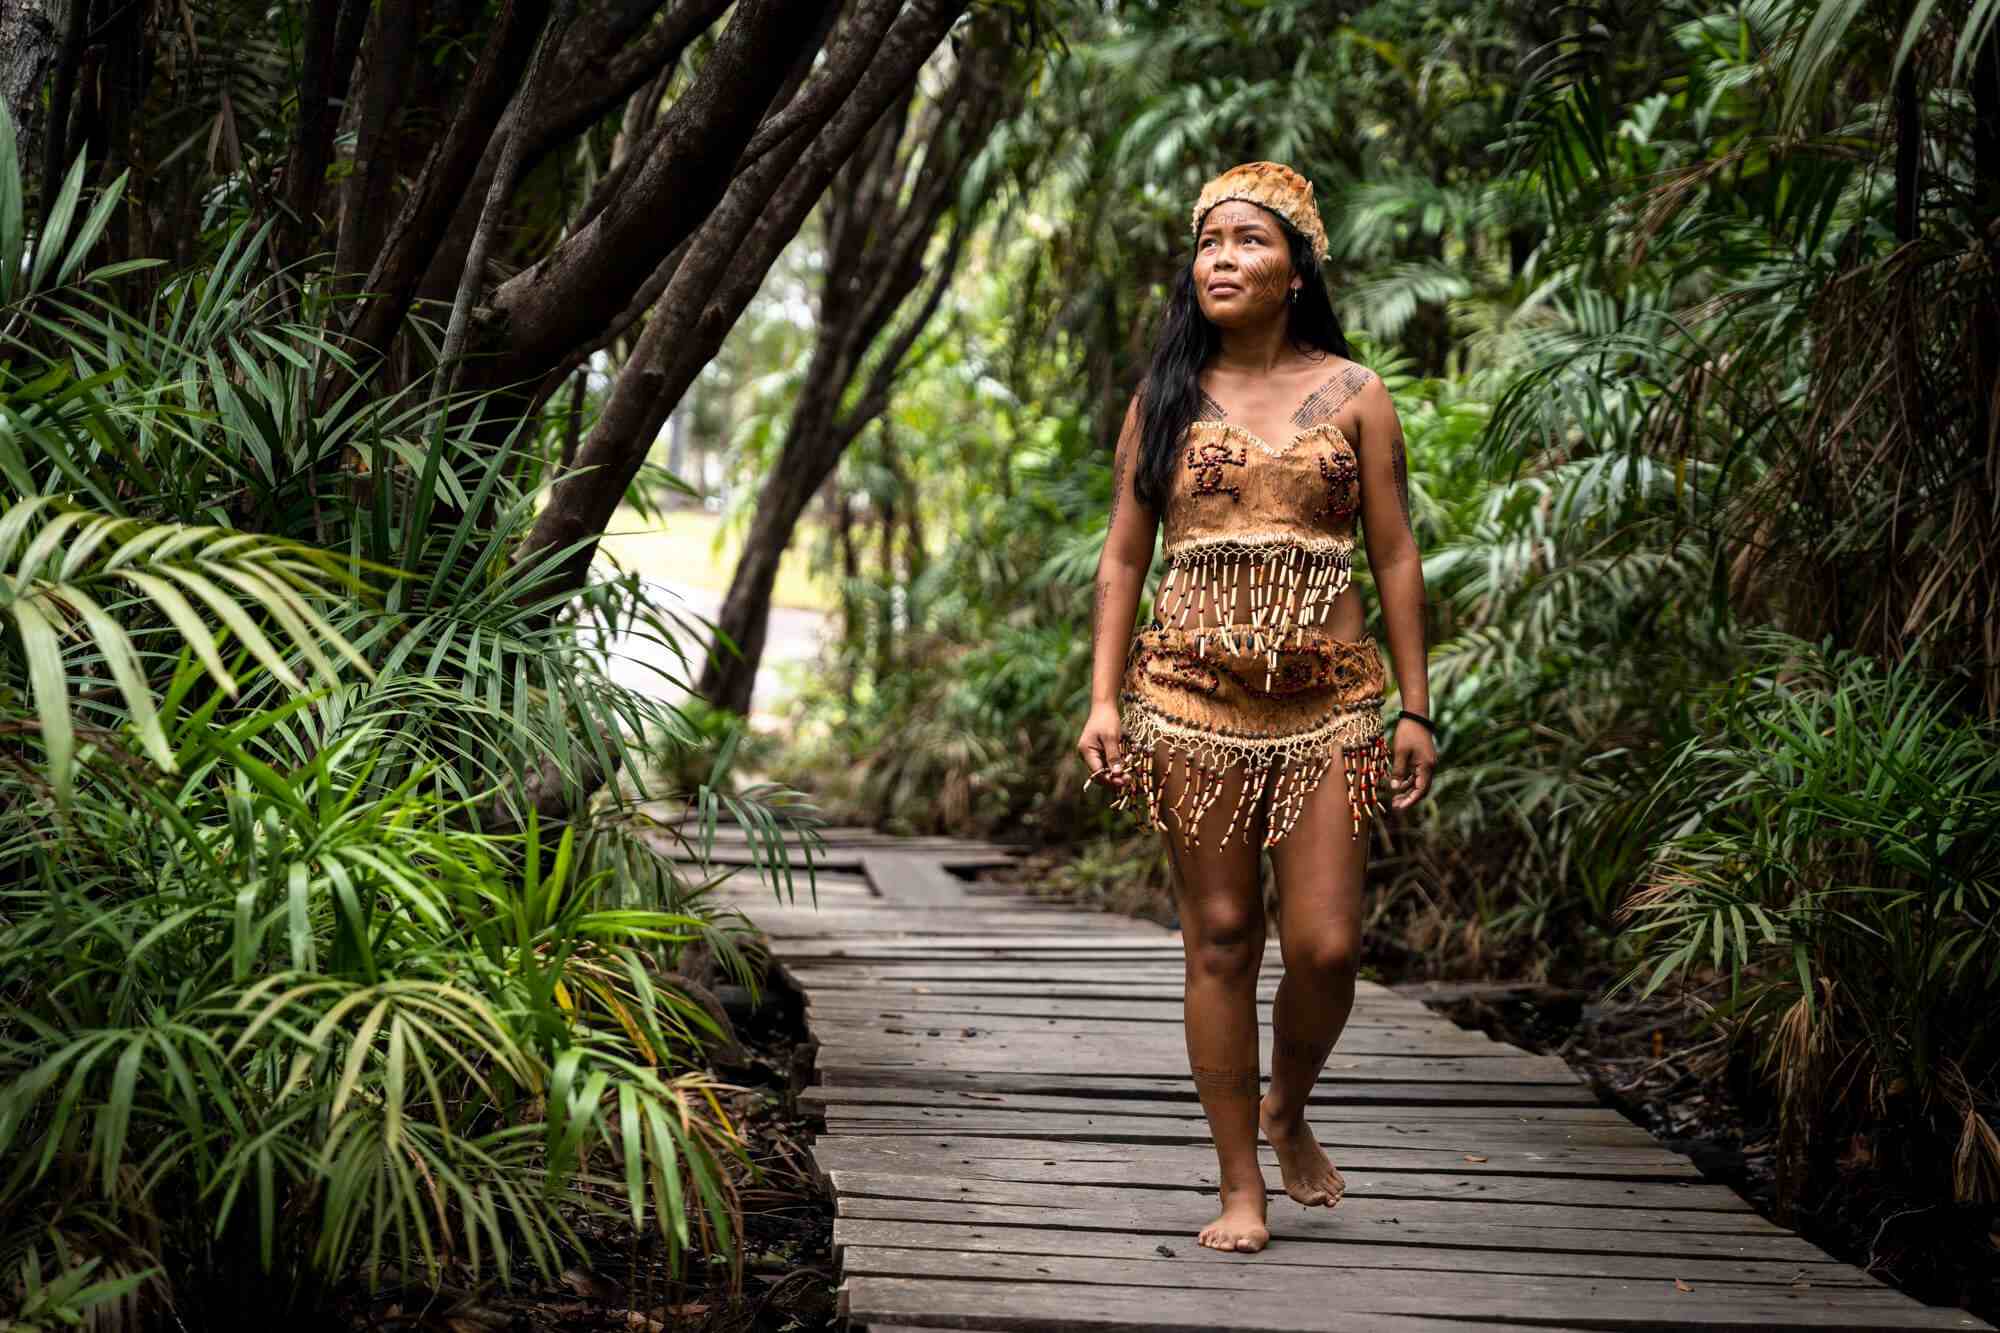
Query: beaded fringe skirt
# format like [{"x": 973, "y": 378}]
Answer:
[{"x": 1275, "y": 709}]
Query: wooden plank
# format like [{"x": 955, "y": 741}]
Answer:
[
  {"x": 1136, "y": 1238},
  {"x": 909, "y": 877},
  {"x": 1026, "y": 1010},
  {"x": 872, "y": 916},
  {"x": 987, "y": 1318},
  {"x": 1065, "y": 1046},
  {"x": 1560, "y": 1295},
  {"x": 1351, "y": 1152},
  {"x": 1061, "y": 942},
  {"x": 1192, "y": 1167},
  {"x": 1166, "y": 970},
  {"x": 1528, "y": 1103},
  {"x": 1586, "y": 1302},
  {"x": 1401, "y": 1223},
  {"x": 1132, "y": 978},
  {"x": 1486, "y": 1138},
  {"x": 971, "y": 1066}
]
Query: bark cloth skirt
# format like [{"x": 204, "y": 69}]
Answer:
[{"x": 1235, "y": 676}]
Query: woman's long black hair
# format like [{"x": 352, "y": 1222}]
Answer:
[{"x": 1170, "y": 397}]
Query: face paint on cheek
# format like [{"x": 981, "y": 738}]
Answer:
[{"x": 1264, "y": 279}]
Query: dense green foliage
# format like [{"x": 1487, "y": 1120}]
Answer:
[{"x": 296, "y": 983}]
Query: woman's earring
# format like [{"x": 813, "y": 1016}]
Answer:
[{"x": 1293, "y": 296}]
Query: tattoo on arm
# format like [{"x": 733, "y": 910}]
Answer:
[
  {"x": 1402, "y": 467},
  {"x": 1230, "y": 1082}
]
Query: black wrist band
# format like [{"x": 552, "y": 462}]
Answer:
[{"x": 1418, "y": 718}]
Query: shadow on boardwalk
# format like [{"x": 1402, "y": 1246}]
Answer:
[{"x": 1012, "y": 1142}]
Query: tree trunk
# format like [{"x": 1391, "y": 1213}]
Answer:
[
  {"x": 568, "y": 299},
  {"x": 881, "y": 222},
  {"x": 333, "y": 30},
  {"x": 364, "y": 209},
  {"x": 725, "y": 266},
  {"x": 420, "y": 225},
  {"x": 1985, "y": 387},
  {"x": 29, "y": 41}
]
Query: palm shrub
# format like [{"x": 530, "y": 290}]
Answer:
[
  {"x": 298, "y": 981},
  {"x": 1832, "y": 860}
]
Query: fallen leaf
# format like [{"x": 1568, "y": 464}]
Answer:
[
  {"x": 1474, "y": 1157},
  {"x": 1681, "y": 1286}
]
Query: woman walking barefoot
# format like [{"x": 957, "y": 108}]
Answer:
[{"x": 1260, "y": 445}]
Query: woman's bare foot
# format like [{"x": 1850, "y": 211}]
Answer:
[
  {"x": 1310, "y": 1176},
  {"x": 1241, "y": 1225}
]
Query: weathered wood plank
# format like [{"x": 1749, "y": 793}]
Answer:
[
  {"x": 1026, "y": 1010},
  {"x": 1434, "y": 1291},
  {"x": 949, "y": 1067},
  {"x": 985, "y": 1319},
  {"x": 872, "y": 916},
  {"x": 1492, "y": 1158},
  {"x": 1490, "y": 1138},
  {"x": 910, "y": 877},
  {"x": 1065, "y": 1045},
  {"x": 1527, "y": 1103},
  {"x": 1587, "y": 1302},
  {"x": 1132, "y": 1237},
  {"x": 1397, "y": 1223},
  {"x": 1065, "y": 944},
  {"x": 1130, "y": 978},
  {"x": 1089, "y": 1167}
]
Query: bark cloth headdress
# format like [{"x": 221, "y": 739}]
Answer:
[{"x": 1271, "y": 185}]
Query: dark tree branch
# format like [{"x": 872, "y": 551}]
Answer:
[
  {"x": 520, "y": 117},
  {"x": 332, "y": 39},
  {"x": 56, "y": 153},
  {"x": 735, "y": 248},
  {"x": 422, "y": 223},
  {"x": 568, "y": 298},
  {"x": 365, "y": 198}
]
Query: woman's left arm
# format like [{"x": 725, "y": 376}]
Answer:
[{"x": 1399, "y": 580}]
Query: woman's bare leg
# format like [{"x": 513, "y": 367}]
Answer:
[
  {"x": 1222, "y": 931},
  {"x": 1319, "y": 867}
]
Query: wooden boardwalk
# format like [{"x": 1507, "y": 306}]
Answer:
[{"x": 1013, "y": 1142}]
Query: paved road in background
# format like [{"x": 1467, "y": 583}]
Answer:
[{"x": 793, "y": 638}]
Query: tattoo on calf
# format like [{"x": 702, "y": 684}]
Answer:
[
  {"x": 1310, "y": 1053},
  {"x": 1239, "y": 1082}
]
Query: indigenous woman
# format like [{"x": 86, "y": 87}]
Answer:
[{"x": 1246, "y": 714}]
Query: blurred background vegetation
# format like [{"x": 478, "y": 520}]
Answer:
[{"x": 345, "y": 935}]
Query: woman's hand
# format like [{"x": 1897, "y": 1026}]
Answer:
[
  {"x": 1416, "y": 759},
  {"x": 1102, "y": 746}
]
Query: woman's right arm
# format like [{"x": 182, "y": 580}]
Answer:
[{"x": 1121, "y": 576}]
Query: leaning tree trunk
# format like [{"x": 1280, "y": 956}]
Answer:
[
  {"x": 882, "y": 216},
  {"x": 706, "y": 287}
]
